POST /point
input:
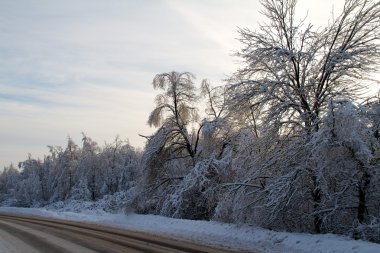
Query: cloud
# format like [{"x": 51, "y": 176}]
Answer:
[
  {"x": 87, "y": 65},
  {"x": 102, "y": 114}
]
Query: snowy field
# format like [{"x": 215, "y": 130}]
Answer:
[{"x": 244, "y": 238}]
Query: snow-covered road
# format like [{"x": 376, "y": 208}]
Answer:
[
  {"x": 19, "y": 238},
  {"x": 63, "y": 236},
  {"x": 12, "y": 244},
  {"x": 245, "y": 238}
]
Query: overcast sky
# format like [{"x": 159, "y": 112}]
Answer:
[{"x": 87, "y": 65}]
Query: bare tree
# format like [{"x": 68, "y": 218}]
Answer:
[
  {"x": 292, "y": 70},
  {"x": 175, "y": 112},
  {"x": 218, "y": 128},
  {"x": 290, "y": 73}
]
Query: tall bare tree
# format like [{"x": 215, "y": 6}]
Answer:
[{"x": 291, "y": 70}]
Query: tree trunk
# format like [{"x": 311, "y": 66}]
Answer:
[
  {"x": 362, "y": 206},
  {"x": 93, "y": 183},
  {"x": 316, "y": 194}
]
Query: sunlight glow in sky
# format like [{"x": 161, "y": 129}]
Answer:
[{"x": 87, "y": 65}]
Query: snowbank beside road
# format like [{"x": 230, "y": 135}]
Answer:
[{"x": 245, "y": 238}]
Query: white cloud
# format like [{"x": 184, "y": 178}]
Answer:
[{"x": 87, "y": 65}]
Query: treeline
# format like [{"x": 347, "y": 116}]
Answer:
[
  {"x": 72, "y": 173},
  {"x": 287, "y": 143}
]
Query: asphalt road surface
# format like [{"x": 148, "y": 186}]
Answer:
[{"x": 20, "y": 234}]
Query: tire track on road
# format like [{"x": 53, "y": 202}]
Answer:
[{"x": 93, "y": 238}]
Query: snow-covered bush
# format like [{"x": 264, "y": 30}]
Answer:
[
  {"x": 321, "y": 182},
  {"x": 80, "y": 191},
  {"x": 110, "y": 203},
  {"x": 197, "y": 195},
  {"x": 29, "y": 192},
  {"x": 153, "y": 189},
  {"x": 369, "y": 231},
  {"x": 9, "y": 180}
]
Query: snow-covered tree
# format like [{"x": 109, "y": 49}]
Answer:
[
  {"x": 325, "y": 182},
  {"x": 171, "y": 152},
  {"x": 9, "y": 180},
  {"x": 291, "y": 70},
  {"x": 291, "y": 74},
  {"x": 89, "y": 167},
  {"x": 33, "y": 182},
  {"x": 80, "y": 190},
  {"x": 63, "y": 174},
  {"x": 217, "y": 127},
  {"x": 120, "y": 163},
  {"x": 196, "y": 196},
  {"x": 175, "y": 111}
]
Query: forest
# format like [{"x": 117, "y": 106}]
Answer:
[{"x": 289, "y": 141}]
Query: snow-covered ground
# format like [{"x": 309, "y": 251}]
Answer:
[{"x": 245, "y": 238}]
